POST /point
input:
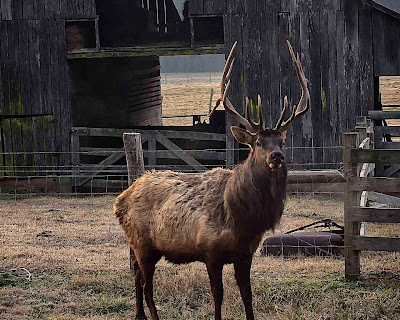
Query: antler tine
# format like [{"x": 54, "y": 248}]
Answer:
[
  {"x": 285, "y": 106},
  {"x": 304, "y": 102},
  {"x": 225, "y": 83},
  {"x": 248, "y": 115}
]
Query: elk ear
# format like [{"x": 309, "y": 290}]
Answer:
[
  {"x": 283, "y": 135},
  {"x": 242, "y": 135}
]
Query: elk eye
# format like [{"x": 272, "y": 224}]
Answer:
[{"x": 258, "y": 144}]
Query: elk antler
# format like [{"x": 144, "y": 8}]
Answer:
[
  {"x": 256, "y": 126},
  {"x": 304, "y": 102},
  {"x": 225, "y": 83}
]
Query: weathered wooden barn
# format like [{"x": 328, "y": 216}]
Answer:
[{"x": 94, "y": 63}]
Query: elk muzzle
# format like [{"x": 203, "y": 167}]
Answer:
[{"x": 275, "y": 160}]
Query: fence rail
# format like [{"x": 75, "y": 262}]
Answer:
[{"x": 355, "y": 214}]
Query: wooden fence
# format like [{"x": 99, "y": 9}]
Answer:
[
  {"x": 160, "y": 145},
  {"x": 354, "y": 212}
]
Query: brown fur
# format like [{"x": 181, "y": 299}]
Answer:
[{"x": 218, "y": 215}]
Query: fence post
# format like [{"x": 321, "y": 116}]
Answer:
[
  {"x": 352, "y": 198},
  {"x": 135, "y": 166}
]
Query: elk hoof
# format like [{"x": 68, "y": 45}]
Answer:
[{"x": 140, "y": 317}]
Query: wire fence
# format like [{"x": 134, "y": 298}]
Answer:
[{"x": 55, "y": 231}]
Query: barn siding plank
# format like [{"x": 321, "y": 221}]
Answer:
[
  {"x": 305, "y": 61},
  {"x": 273, "y": 57},
  {"x": 4, "y": 68},
  {"x": 6, "y": 10},
  {"x": 44, "y": 49},
  {"x": 16, "y": 131},
  {"x": 366, "y": 63},
  {"x": 16, "y": 9},
  {"x": 351, "y": 62},
  {"x": 65, "y": 103},
  {"x": 325, "y": 89},
  {"x": 333, "y": 89},
  {"x": 284, "y": 64},
  {"x": 378, "y": 42},
  {"x": 340, "y": 35},
  {"x": 196, "y": 7},
  {"x": 214, "y": 6},
  {"x": 34, "y": 55},
  {"x": 55, "y": 87},
  {"x": 391, "y": 46},
  {"x": 15, "y": 102},
  {"x": 267, "y": 31},
  {"x": 295, "y": 89},
  {"x": 252, "y": 58},
  {"x": 27, "y": 146},
  {"x": 250, "y": 7},
  {"x": 235, "y": 6},
  {"x": 9, "y": 161},
  {"x": 315, "y": 84},
  {"x": 234, "y": 33},
  {"x": 24, "y": 70}
]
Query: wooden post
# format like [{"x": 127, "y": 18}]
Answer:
[
  {"x": 352, "y": 198},
  {"x": 135, "y": 165}
]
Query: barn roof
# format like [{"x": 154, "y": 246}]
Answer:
[{"x": 391, "y": 7}]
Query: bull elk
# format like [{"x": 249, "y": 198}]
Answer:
[{"x": 216, "y": 217}]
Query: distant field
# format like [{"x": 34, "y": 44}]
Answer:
[{"x": 188, "y": 94}]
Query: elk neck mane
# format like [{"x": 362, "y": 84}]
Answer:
[{"x": 254, "y": 196}]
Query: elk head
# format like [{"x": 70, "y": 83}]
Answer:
[{"x": 266, "y": 143}]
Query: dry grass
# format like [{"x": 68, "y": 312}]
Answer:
[
  {"x": 80, "y": 270},
  {"x": 188, "y": 97}
]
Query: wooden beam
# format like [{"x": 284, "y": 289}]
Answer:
[
  {"x": 380, "y": 184},
  {"x": 367, "y": 214},
  {"x": 384, "y": 198},
  {"x": 383, "y": 115},
  {"x": 147, "y": 51},
  {"x": 387, "y": 156},
  {"x": 376, "y": 243}
]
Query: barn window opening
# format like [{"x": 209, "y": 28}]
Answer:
[
  {"x": 81, "y": 35},
  {"x": 189, "y": 86},
  {"x": 208, "y": 30}
]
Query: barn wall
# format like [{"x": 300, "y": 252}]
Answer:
[
  {"x": 342, "y": 43},
  {"x": 35, "y": 113},
  {"x": 47, "y": 9}
]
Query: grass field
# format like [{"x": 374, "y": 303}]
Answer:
[{"x": 78, "y": 260}]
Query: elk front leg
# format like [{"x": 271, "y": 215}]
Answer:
[
  {"x": 242, "y": 275},
  {"x": 140, "y": 315},
  {"x": 214, "y": 269}
]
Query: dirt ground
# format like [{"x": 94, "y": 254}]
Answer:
[
  {"x": 77, "y": 259},
  {"x": 390, "y": 90}
]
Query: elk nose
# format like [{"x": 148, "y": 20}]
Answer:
[{"x": 277, "y": 157}]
